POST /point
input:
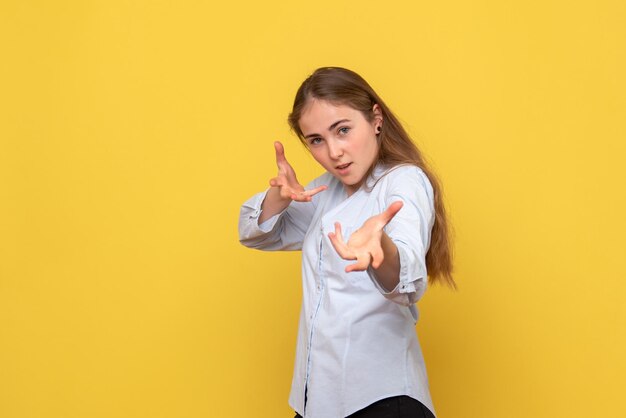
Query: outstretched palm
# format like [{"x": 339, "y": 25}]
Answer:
[
  {"x": 364, "y": 244},
  {"x": 286, "y": 180}
]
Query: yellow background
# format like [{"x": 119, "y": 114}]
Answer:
[{"x": 131, "y": 132}]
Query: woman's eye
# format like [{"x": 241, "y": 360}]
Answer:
[
  {"x": 315, "y": 141},
  {"x": 344, "y": 130}
]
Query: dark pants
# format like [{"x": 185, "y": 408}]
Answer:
[{"x": 395, "y": 407}]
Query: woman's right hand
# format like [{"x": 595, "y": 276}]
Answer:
[{"x": 286, "y": 181}]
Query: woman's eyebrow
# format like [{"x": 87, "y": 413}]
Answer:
[{"x": 330, "y": 128}]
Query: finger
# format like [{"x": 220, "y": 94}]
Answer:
[
  {"x": 280, "y": 150},
  {"x": 336, "y": 239},
  {"x": 378, "y": 256},
  {"x": 315, "y": 191},
  {"x": 280, "y": 154},
  {"x": 363, "y": 261},
  {"x": 277, "y": 181},
  {"x": 300, "y": 197},
  {"x": 391, "y": 211},
  {"x": 338, "y": 232}
]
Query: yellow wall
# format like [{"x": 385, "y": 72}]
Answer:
[{"x": 131, "y": 131}]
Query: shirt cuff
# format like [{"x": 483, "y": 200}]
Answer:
[
  {"x": 257, "y": 203},
  {"x": 410, "y": 287}
]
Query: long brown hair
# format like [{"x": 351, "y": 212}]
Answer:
[{"x": 344, "y": 87}]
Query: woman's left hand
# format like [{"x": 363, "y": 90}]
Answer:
[{"x": 364, "y": 244}]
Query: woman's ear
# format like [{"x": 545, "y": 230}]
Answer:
[{"x": 378, "y": 116}]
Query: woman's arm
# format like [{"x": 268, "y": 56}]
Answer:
[
  {"x": 278, "y": 218},
  {"x": 395, "y": 256},
  {"x": 388, "y": 273}
]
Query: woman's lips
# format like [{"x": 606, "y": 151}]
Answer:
[{"x": 343, "y": 169}]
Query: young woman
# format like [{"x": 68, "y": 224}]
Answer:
[{"x": 371, "y": 230}]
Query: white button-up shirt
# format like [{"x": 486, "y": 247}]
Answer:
[{"x": 357, "y": 342}]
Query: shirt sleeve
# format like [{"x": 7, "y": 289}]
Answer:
[
  {"x": 283, "y": 231},
  {"x": 410, "y": 231}
]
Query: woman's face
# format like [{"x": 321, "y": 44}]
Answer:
[{"x": 341, "y": 140}]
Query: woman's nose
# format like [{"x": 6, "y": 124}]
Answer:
[{"x": 335, "y": 151}]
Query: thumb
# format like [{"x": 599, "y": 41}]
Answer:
[{"x": 391, "y": 211}]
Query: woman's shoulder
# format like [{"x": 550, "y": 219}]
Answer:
[
  {"x": 409, "y": 183},
  {"x": 406, "y": 169},
  {"x": 404, "y": 175}
]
